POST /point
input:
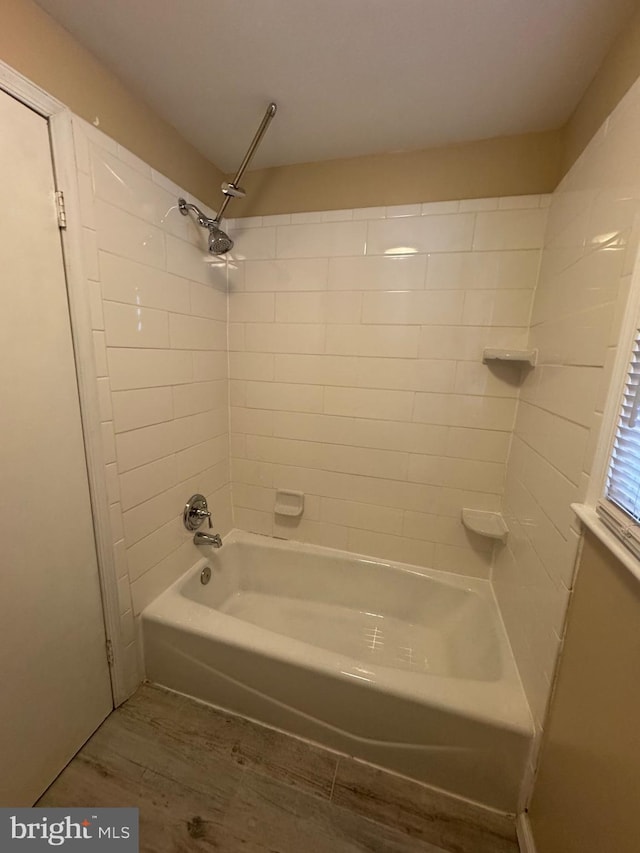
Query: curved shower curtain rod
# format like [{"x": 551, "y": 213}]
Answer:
[{"x": 219, "y": 242}]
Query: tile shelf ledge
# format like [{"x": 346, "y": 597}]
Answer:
[
  {"x": 516, "y": 356},
  {"x": 489, "y": 524}
]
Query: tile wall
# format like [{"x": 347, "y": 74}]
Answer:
[
  {"x": 356, "y": 371},
  {"x": 590, "y": 251},
  {"x": 159, "y": 319}
]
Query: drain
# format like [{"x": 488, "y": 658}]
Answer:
[{"x": 205, "y": 575}]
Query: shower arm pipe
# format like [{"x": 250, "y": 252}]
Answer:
[{"x": 264, "y": 124}]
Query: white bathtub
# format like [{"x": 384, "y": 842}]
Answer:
[{"x": 404, "y": 667}]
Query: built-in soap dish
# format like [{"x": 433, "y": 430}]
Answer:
[
  {"x": 289, "y": 503},
  {"x": 484, "y": 523},
  {"x": 523, "y": 357}
]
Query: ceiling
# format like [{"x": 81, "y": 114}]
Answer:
[{"x": 350, "y": 77}]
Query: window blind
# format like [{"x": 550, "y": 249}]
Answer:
[{"x": 620, "y": 509}]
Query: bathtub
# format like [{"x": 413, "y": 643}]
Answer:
[{"x": 404, "y": 667}]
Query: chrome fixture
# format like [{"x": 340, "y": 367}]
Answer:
[
  {"x": 205, "y": 575},
  {"x": 213, "y": 539},
  {"x": 195, "y": 512},
  {"x": 219, "y": 242}
]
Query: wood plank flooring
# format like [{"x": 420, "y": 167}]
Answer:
[{"x": 205, "y": 781}]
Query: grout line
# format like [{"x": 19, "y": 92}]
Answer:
[{"x": 333, "y": 781}]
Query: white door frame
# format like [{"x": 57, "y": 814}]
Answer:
[{"x": 66, "y": 179}]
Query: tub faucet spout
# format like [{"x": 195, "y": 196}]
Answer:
[{"x": 212, "y": 539}]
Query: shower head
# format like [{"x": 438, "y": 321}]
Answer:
[{"x": 219, "y": 242}]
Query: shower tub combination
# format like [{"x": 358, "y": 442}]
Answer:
[{"x": 406, "y": 668}]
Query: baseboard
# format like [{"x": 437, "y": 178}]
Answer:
[{"x": 525, "y": 835}]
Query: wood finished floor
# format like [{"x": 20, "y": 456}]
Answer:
[{"x": 204, "y": 781}]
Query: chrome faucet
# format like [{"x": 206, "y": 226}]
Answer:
[
  {"x": 195, "y": 512},
  {"x": 213, "y": 539}
]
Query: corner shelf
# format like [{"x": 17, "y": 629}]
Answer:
[
  {"x": 516, "y": 356},
  {"x": 484, "y": 523}
]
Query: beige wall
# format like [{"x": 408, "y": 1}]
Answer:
[
  {"x": 515, "y": 165},
  {"x": 530, "y": 163},
  {"x": 586, "y": 795},
  {"x": 36, "y": 46},
  {"x": 617, "y": 73}
]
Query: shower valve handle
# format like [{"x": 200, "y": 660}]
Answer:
[{"x": 195, "y": 512}]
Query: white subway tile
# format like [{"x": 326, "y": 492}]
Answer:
[
  {"x": 133, "y": 326},
  {"x": 286, "y": 275},
  {"x": 497, "y": 308},
  {"x": 90, "y": 254},
  {"x": 414, "y": 307},
  {"x": 207, "y": 301},
  {"x": 142, "y": 483},
  {"x": 253, "y": 243},
  {"x": 209, "y": 366},
  {"x": 369, "y": 403},
  {"x": 380, "y": 519},
  {"x": 336, "y": 215},
  {"x": 431, "y": 207},
  {"x": 251, "y": 422},
  {"x": 141, "y": 368},
  {"x": 360, "y": 432},
  {"x": 519, "y": 202},
  {"x": 460, "y": 410},
  {"x": 139, "y": 446},
  {"x": 196, "y": 333},
  {"x": 280, "y": 396},
  {"x": 151, "y": 550},
  {"x": 483, "y": 270},
  {"x": 250, "y": 365},
  {"x": 192, "y": 260},
  {"x": 104, "y": 399},
  {"x": 510, "y": 229},
  {"x": 466, "y": 343},
  {"x": 481, "y": 444},
  {"x": 100, "y": 353},
  {"x": 400, "y": 210},
  {"x": 125, "y": 235},
  {"x": 391, "y": 341},
  {"x": 300, "y": 307},
  {"x": 199, "y": 397},
  {"x": 284, "y": 337},
  {"x": 252, "y": 308},
  {"x": 473, "y": 205},
  {"x": 421, "y": 234},
  {"x": 118, "y": 184},
  {"x": 318, "y": 241},
  {"x": 388, "y": 547},
  {"x": 123, "y": 280},
  {"x": 344, "y": 307},
  {"x": 141, "y": 407},
  {"x": 108, "y": 442},
  {"x": 150, "y": 584},
  {"x": 348, "y": 460},
  {"x": 389, "y": 272}
]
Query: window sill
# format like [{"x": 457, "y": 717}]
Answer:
[{"x": 589, "y": 517}]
